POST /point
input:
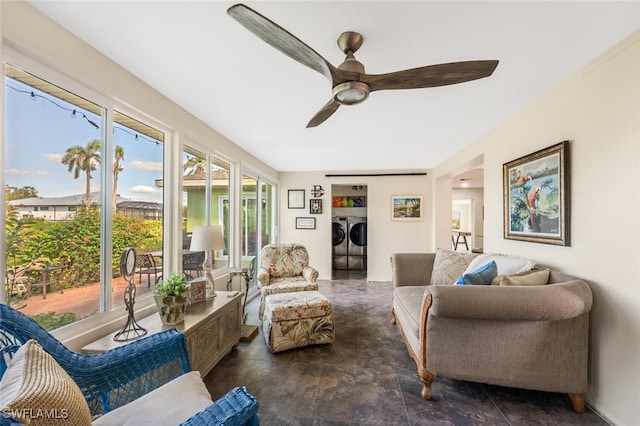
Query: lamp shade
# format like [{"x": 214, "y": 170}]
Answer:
[{"x": 207, "y": 237}]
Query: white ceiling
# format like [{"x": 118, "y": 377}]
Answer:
[{"x": 260, "y": 99}]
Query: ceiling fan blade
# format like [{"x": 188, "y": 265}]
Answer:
[
  {"x": 281, "y": 39},
  {"x": 431, "y": 75},
  {"x": 324, "y": 113}
]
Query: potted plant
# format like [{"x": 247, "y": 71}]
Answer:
[{"x": 171, "y": 298}]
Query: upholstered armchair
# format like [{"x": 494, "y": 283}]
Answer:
[{"x": 285, "y": 269}]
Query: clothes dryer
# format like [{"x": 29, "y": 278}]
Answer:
[{"x": 357, "y": 246}]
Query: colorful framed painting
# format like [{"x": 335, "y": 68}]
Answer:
[
  {"x": 536, "y": 197},
  {"x": 197, "y": 290},
  {"x": 406, "y": 207}
]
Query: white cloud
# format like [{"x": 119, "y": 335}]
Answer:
[
  {"x": 53, "y": 156},
  {"x": 144, "y": 189},
  {"x": 42, "y": 173},
  {"x": 152, "y": 166},
  {"x": 16, "y": 172}
]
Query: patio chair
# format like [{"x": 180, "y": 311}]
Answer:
[
  {"x": 192, "y": 264},
  {"x": 112, "y": 383},
  {"x": 146, "y": 265}
]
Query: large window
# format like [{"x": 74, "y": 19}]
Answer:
[
  {"x": 205, "y": 187},
  {"x": 86, "y": 178},
  {"x": 136, "y": 202},
  {"x": 58, "y": 161},
  {"x": 257, "y": 220}
]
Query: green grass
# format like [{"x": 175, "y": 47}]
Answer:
[{"x": 51, "y": 320}]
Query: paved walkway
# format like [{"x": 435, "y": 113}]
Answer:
[{"x": 83, "y": 301}]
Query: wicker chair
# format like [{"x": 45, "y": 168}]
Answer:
[{"x": 121, "y": 375}]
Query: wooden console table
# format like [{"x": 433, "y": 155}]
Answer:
[
  {"x": 455, "y": 238},
  {"x": 212, "y": 329}
]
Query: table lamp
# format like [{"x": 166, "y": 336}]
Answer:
[{"x": 207, "y": 238}]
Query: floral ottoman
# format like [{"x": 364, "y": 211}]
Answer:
[{"x": 293, "y": 320}]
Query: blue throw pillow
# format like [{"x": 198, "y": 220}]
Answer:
[{"x": 483, "y": 275}]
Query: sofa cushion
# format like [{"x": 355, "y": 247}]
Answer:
[
  {"x": 448, "y": 266},
  {"x": 37, "y": 391},
  {"x": 481, "y": 276},
  {"x": 296, "y": 305},
  {"x": 526, "y": 278},
  {"x": 407, "y": 307},
  {"x": 170, "y": 404},
  {"x": 507, "y": 265}
]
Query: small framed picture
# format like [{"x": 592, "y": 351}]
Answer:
[
  {"x": 315, "y": 206},
  {"x": 406, "y": 207},
  {"x": 197, "y": 291},
  {"x": 305, "y": 223},
  {"x": 296, "y": 199}
]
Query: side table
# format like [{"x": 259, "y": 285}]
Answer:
[{"x": 212, "y": 329}]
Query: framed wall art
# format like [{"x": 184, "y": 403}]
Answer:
[
  {"x": 295, "y": 199},
  {"x": 305, "y": 223},
  {"x": 197, "y": 290},
  {"x": 315, "y": 206},
  {"x": 536, "y": 197},
  {"x": 406, "y": 207}
]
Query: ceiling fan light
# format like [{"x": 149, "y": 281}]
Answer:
[{"x": 351, "y": 92}]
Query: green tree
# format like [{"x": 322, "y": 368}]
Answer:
[
  {"x": 84, "y": 159},
  {"x": 15, "y": 193},
  {"x": 118, "y": 156}
]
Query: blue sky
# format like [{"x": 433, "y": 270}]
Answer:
[{"x": 39, "y": 133}]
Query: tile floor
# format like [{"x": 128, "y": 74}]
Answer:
[{"x": 366, "y": 376}]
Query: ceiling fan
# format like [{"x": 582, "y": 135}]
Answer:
[{"x": 349, "y": 83}]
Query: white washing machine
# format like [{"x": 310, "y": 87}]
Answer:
[
  {"x": 340, "y": 241},
  {"x": 357, "y": 246}
]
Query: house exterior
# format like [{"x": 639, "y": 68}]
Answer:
[
  {"x": 597, "y": 109},
  {"x": 65, "y": 208}
]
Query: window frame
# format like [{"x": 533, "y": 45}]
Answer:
[
  {"x": 107, "y": 314},
  {"x": 209, "y": 153}
]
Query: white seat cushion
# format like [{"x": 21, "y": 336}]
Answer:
[
  {"x": 507, "y": 265},
  {"x": 170, "y": 404}
]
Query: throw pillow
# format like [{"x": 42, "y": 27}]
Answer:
[
  {"x": 37, "y": 391},
  {"x": 507, "y": 265},
  {"x": 481, "y": 276},
  {"x": 527, "y": 278},
  {"x": 448, "y": 266}
]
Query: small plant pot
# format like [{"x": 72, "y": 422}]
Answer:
[{"x": 171, "y": 308}]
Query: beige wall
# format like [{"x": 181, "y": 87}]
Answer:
[
  {"x": 383, "y": 235},
  {"x": 598, "y": 109}
]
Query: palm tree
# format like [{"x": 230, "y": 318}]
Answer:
[
  {"x": 84, "y": 159},
  {"x": 195, "y": 165},
  {"x": 118, "y": 155}
]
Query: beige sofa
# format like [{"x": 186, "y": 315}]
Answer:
[{"x": 530, "y": 337}]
